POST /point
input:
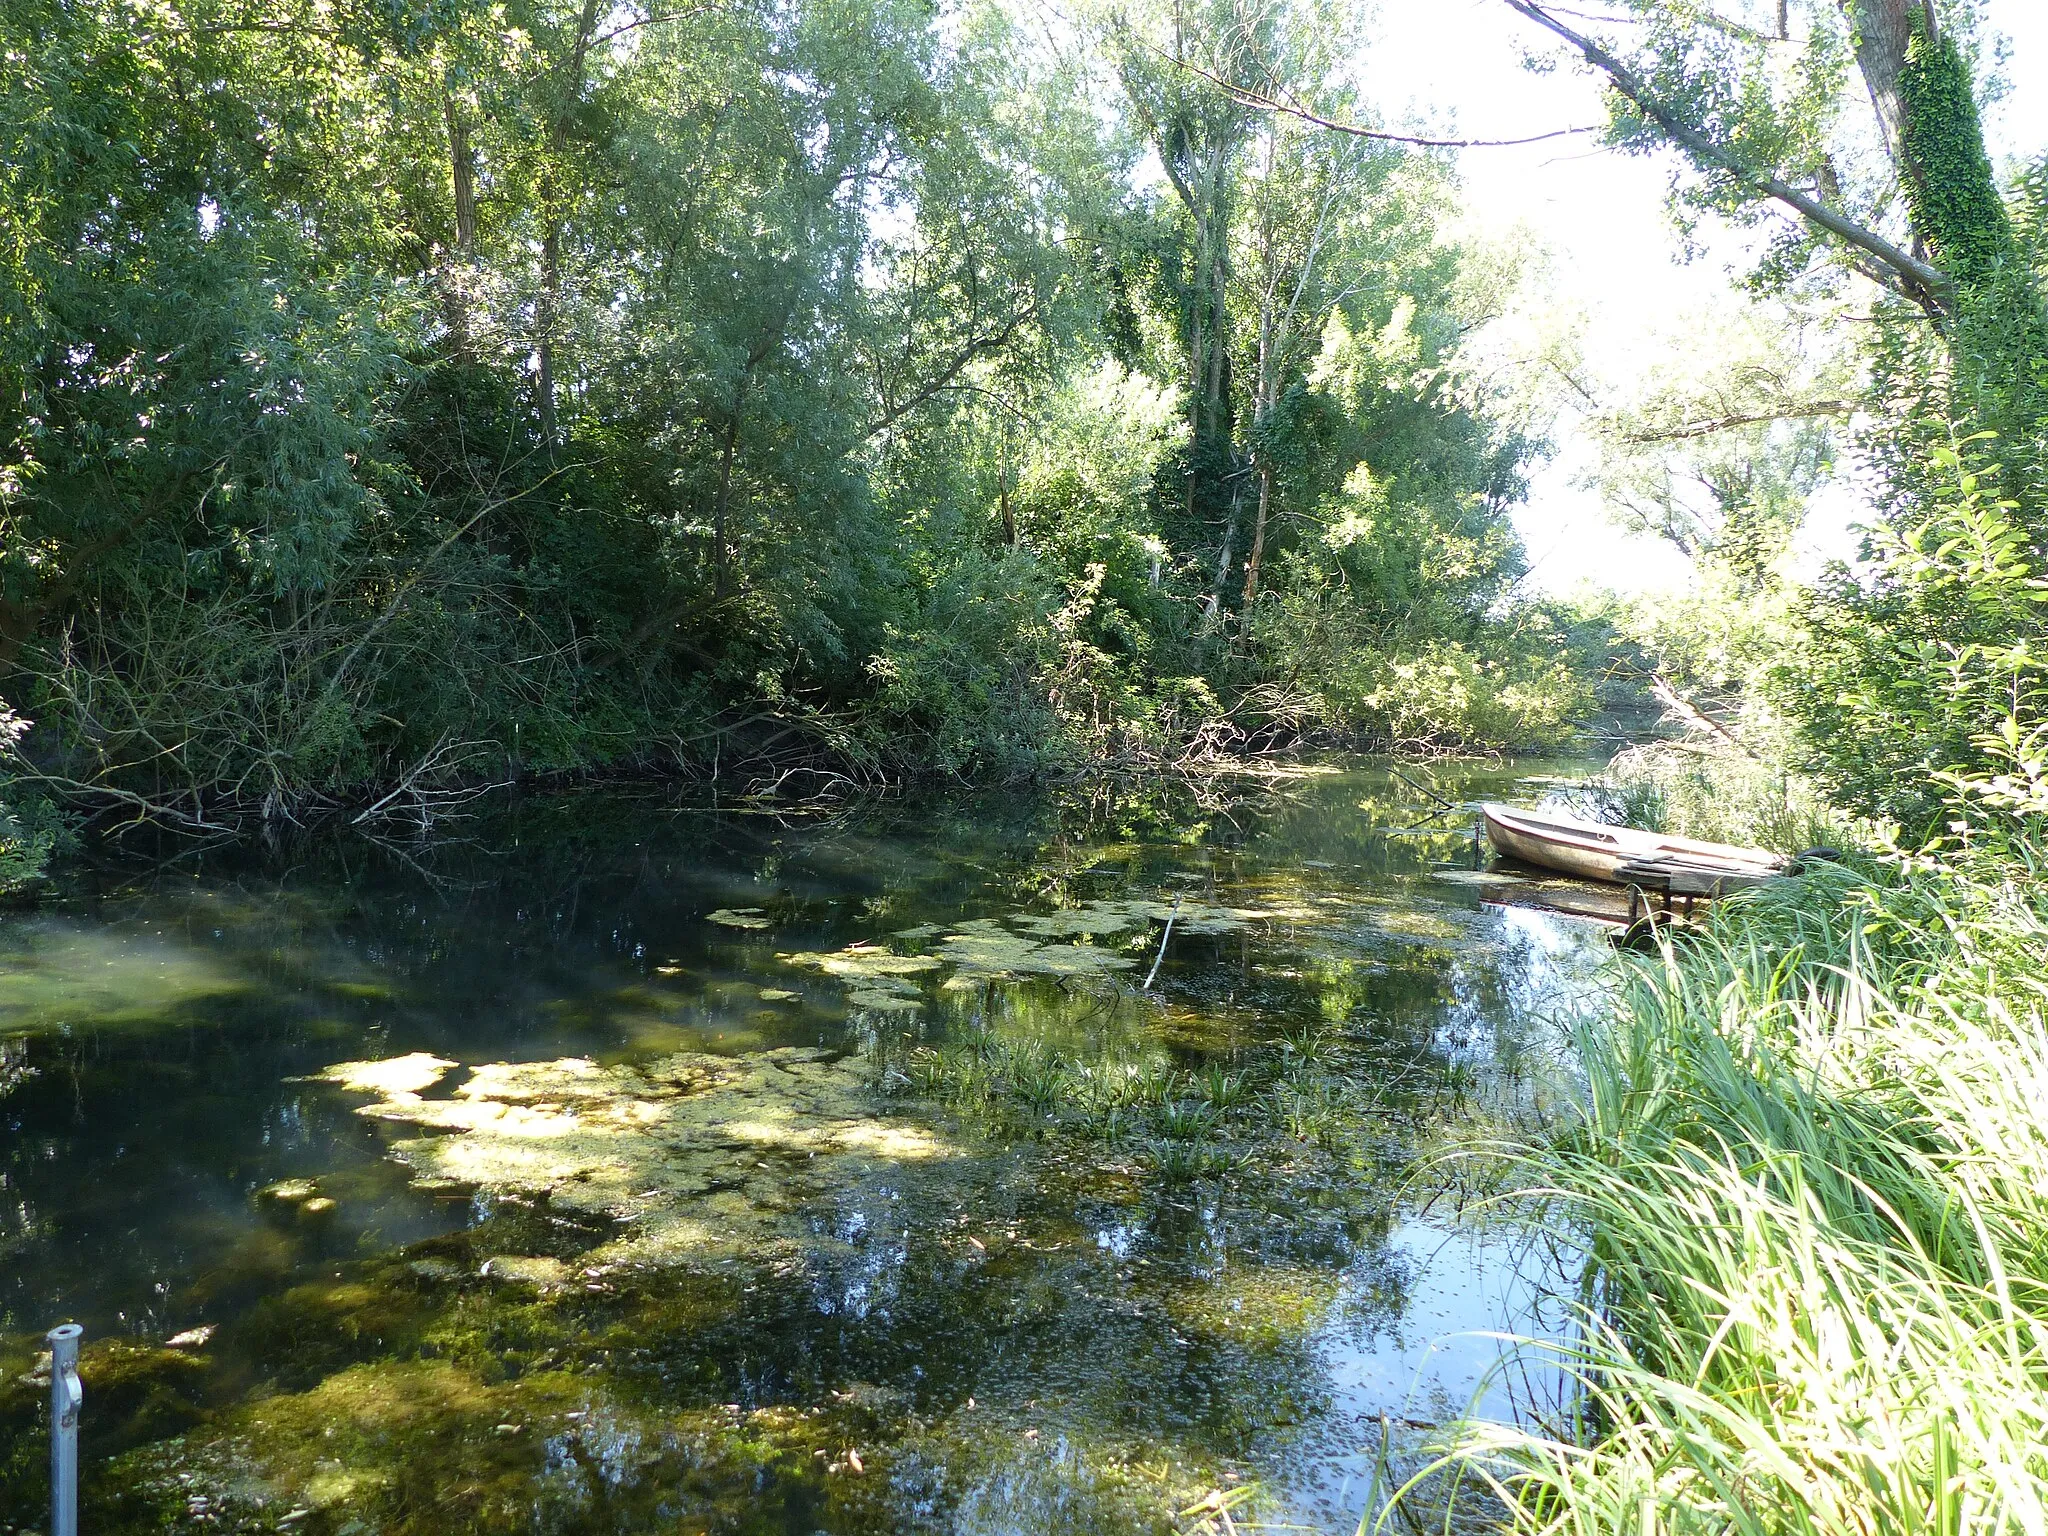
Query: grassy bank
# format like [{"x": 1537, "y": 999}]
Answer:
[{"x": 1811, "y": 1176}]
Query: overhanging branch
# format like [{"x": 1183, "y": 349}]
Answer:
[
  {"x": 1805, "y": 410},
  {"x": 1929, "y": 286},
  {"x": 1258, "y": 101}
]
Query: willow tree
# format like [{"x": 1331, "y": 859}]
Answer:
[{"x": 1200, "y": 137}]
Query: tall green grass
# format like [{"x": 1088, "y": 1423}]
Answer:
[{"x": 1810, "y": 1176}]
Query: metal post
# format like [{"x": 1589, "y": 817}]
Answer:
[{"x": 66, "y": 1397}]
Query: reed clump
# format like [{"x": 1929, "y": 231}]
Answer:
[{"x": 1810, "y": 1178}]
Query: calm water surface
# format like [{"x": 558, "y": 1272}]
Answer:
[{"x": 850, "y": 1179}]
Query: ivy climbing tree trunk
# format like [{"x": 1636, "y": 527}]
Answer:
[{"x": 1920, "y": 84}]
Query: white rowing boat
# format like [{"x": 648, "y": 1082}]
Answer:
[{"x": 1593, "y": 850}]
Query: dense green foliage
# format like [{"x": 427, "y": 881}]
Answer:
[
  {"x": 1915, "y": 666},
  {"x": 407, "y": 398}
]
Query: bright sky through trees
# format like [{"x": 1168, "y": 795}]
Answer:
[{"x": 1459, "y": 64}]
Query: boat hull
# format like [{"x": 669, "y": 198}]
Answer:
[{"x": 1626, "y": 856}]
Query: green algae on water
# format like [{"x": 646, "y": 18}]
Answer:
[{"x": 690, "y": 1154}]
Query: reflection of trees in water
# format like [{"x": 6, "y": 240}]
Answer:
[{"x": 1127, "y": 1307}]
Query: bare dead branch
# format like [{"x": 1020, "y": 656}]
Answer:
[
  {"x": 1803, "y": 411},
  {"x": 1258, "y": 101}
]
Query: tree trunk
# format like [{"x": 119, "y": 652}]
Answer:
[
  {"x": 1003, "y": 491},
  {"x": 544, "y": 324},
  {"x": 1926, "y": 105},
  {"x": 548, "y": 307},
  {"x": 457, "y": 286},
  {"x": 1215, "y": 607},
  {"x": 721, "y": 553},
  {"x": 1883, "y": 32},
  {"x": 1258, "y": 550}
]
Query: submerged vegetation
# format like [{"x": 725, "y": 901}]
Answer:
[
  {"x": 401, "y": 402},
  {"x": 508, "y": 1183}
]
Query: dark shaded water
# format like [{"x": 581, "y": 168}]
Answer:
[{"x": 863, "y": 1188}]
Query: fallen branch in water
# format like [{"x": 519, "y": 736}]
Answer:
[
  {"x": 1156, "y": 959},
  {"x": 1449, "y": 805}
]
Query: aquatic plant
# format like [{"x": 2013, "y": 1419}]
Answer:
[
  {"x": 652, "y": 1147},
  {"x": 1043, "y": 1083},
  {"x": 1181, "y": 1162},
  {"x": 1184, "y": 1119},
  {"x": 1223, "y": 1089}
]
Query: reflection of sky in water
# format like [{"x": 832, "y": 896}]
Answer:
[{"x": 1473, "y": 1292}]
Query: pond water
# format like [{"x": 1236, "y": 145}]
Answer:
[{"x": 608, "y": 1164}]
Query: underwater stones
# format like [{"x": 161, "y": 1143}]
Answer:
[
  {"x": 542, "y": 1274},
  {"x": 690, "y": 1154},
  {"x": 58, "y": 975},
  {"x": 740, "y": 917}
]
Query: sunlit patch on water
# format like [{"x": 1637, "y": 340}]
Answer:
[{"x": 621, "y": 1170}]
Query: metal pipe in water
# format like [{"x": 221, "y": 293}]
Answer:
[{"x": 67, "y": 1396}]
